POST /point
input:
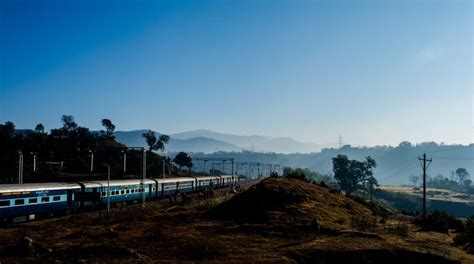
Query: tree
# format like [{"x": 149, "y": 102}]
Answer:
[
  {"x": 162, "y": 140},
  {"x": 155, "y": 143},
  {"x": 352, "y": 174},
  {"x": 68, "y": 122},
  {"x": 109, "y": 127},
  {"x": 182, "y": 159},
  {"x": 462, "y": 175},
  {"x": 467, "y": 183},
  {"x": 415, "y": 179},
  {"x": 39, "y": 128}
]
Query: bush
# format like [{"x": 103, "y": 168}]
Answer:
[
  {"x": 467, "y": 236},
  {"x": 296, "y": 175},
  {"x": 440, "y": 222}
]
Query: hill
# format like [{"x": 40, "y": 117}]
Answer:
[
  {"x": 291, "y": 203},
  {"x": 186, "y": 141},
  {"x": 195, "y": 144},
  {"x": 350, "y": 232}
]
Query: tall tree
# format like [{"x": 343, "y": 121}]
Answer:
[
  {"x": 155, "y": 143},
  {"x": 182, "y": 159},
  {"x": 462, "y": 175},
  {"x": 352, "y": 174},
  {"x": 39, "y": 128},
  {"x": 68, "y": 122},
  {"x": 109, "y": 127}
]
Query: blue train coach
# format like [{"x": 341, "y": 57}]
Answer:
[
  {"x": 20, "y": 202},
  {"x": 98, "y": 192}
]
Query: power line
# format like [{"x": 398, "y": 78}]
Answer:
[
  {"x": 454, "y": 158},
  {"x": 404, "y": 169}
]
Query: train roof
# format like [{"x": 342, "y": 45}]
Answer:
[
  {"x": 207, "y": 178},
  {"x": 180, "y": 179},
  {"x": 27, "y": 187},
  {"x": 93, "y": 184}
]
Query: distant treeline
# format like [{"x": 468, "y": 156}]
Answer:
[
  {"x": 67, "y": 151},
  {"x": 395, "y": 164}
]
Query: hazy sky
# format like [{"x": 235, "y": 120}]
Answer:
[{"x": 375, "y": 72}]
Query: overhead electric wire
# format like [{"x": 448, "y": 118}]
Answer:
[{"x": 411, "y": 165}]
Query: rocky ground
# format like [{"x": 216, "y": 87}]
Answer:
[{"x": 273, "y": 221}]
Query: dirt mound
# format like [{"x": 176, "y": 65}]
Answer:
[{"x": 281, "y": 201}]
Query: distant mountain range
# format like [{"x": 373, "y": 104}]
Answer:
[{"x": 209, "y": 141}]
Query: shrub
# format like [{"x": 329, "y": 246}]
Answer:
[
  {"x": 295, "y": 174},
  {"x": 440, "y": 222},
  {"x": 467, "y": 236}
]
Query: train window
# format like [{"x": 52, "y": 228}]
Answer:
[
  {"x": 44, "y": 199},
  {"x": 128, "y": 191},
  {"x": 19, "y": 201},
  {"x": 4, "y": 203},
  {"x": 104, "y": 193},
  {"x": 122, "y": 192},
  {"x": 33, "y": 200},
  {"x": 56, "y": 198},
  {"x": 132, "y": 191},
  {"x": 113, "y": 192}
]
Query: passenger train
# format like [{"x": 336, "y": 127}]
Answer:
[{"x": 22, "y": 202}]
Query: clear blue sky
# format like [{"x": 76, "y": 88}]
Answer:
[{"x": 375, "y": 72}]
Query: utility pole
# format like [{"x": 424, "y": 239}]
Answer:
[
  {"x": 143, "y": 180},
  {"x": 34, "y": 160},
  {"x": 424, "y": 166},
  {"x": 20, "y": 167},
  {"x": 124, "y": 161},
  {"x": 164, "y": 167},
  {"x": 108, "y": 191},
  {"x": 92, "y": 160}
]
